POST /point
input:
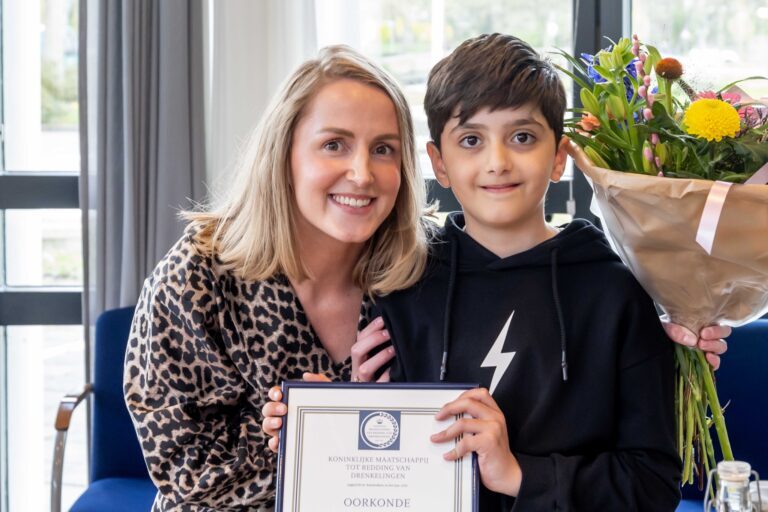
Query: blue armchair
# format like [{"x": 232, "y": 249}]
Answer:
[
  {"x": 742, "y": 383},
  {"x": 119, "y": 481}
]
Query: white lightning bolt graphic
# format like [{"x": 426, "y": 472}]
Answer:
[{"x": 497, "y": 358}]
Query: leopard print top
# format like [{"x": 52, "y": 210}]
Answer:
[{"x": 205, "y": 347}]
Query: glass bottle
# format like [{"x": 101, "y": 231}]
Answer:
[{"x": 733, "y": 492}]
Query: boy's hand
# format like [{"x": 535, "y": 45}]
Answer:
[
  {"x": 709, "y": 340},
  {"x": 484, "y": 433},
  {"x": 274, "y": 410},
  {"x": 364, "y": 366}
]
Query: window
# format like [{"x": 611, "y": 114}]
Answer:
[
  {"x": 45, "y": 248},
  {"x": 42, "y": 354},
  {"x": 45, "y": 363},
  {"x": 408, "y": 37},
  {"x": 717, "y": 43},
  {"x": 40, "y": 61}
]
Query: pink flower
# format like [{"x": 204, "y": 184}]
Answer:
[
  {"x": 753, "y": 116},
  {"x": 706, "y": 95},
  {"x": 746, "y": 112},
  {"x": 648, "y": 154},
  {"x": 641, "y": 91},
  {"x": 647, "y": 114},
  {"x": 654, "y": 138},
  {"x": 728, "y": 97}
]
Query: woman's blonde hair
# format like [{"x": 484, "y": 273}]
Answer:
[{"x": 252, "y": 230}]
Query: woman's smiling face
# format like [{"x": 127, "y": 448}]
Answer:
[{"x": 345, "y": 162}]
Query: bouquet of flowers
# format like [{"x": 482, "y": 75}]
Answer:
[{"x": 679, "y": 179}]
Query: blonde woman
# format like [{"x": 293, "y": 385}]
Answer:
[{"x": 274, "y": 282}]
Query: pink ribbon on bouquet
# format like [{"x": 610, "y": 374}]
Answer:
[{"x": 713, "y": 207}]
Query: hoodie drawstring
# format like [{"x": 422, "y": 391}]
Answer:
[
  {"x": 559, "y": 309},
  {"x": 448, "y": 301}
]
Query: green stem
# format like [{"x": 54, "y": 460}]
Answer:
[
  {"x": 679, "y": 400},
  {"x": 714, "y": 405},
  {"x": 687, "y": 474},
  {"x": 704, "y": 438},
  {"x": 667, "y": 95},
  {"x": 709, "y": 455}
]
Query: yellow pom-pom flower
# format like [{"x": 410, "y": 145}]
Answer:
[{"x": 711, "y": 119}]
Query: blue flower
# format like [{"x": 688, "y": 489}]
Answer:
[
  {"x": 596, "y": 78},
  {"x": 591, "y": 73},
  {"x": 631, "y": 69},
  {"x": 627, "y": 83}
]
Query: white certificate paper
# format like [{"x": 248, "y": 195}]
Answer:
[{"x": 366, "y": 447}]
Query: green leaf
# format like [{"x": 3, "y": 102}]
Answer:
[
  {"x": 757, "y": 77},
  {"x": 753, "y": 154},
  {"x": 578, "y": 64},
  {"x": 581, "y": 83},
  {"x": 735, "y": 177},
  {"x": 612, "y": 140},
  {"x": 604, "y": 72},
  {"x": 653, "y": 58},
  {"x": 589, "y": 101},
  {"x": 661, "y": 118},
  {"x": 596, "y": 157}
]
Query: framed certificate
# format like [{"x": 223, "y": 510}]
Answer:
[{"x": 353, "y": 446}]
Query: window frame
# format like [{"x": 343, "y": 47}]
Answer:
[{"x": 20, "y": 306}]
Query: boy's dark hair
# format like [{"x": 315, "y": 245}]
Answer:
[{"x": 495, "y": 71}]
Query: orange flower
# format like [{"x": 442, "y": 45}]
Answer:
[
  {"x": 589, "y": 122},
  {"x": 669, "y": 68}
]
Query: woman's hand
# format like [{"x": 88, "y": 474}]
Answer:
[
  {"x": 710, "y": 340},
  {"x": 484, "y": 433},
  {"x": 365, "y": 366},
  {"x": 274, "y": 410}
]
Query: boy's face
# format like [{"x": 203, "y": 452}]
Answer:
[{"x": 499, "y": 165}]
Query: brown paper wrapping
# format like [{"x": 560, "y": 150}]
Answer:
[{"x": 652, "y": 223}]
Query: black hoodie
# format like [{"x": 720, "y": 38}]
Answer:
[{"x": 584, "y": 371}]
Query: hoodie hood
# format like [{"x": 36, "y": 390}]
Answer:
[{"x": 578, "y": 242}]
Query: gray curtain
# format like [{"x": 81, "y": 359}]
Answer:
[{"x": 144, "y": 155}]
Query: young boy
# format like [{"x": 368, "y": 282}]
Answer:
[{"x": 576, "y": 409}]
